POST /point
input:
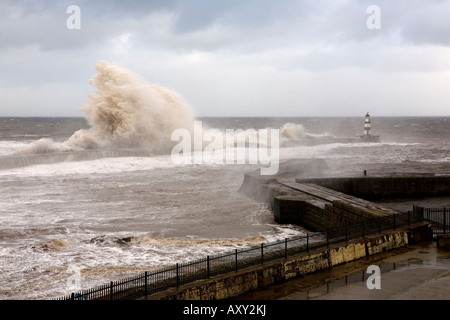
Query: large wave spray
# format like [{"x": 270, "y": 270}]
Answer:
[
  {"x": 124, "y": 112},
  {"x": 292, "y": 131}
]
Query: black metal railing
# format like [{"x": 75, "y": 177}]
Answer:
[
  {"x": 438, "y": 217},
  {"x": 182, "y": 273}
]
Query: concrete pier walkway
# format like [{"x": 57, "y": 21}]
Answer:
[{"x": 419, "y": 272}]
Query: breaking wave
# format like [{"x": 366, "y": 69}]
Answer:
[
  {"x": 294, "y": 131},
  {"x": 124, "y": 112},
  {"x": 44, "y": 145},
  {"x": 53, "y": 244},
  {"x": 189, "y": 241}
]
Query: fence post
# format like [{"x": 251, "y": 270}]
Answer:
[
  {"x": 285, "y": 248},
  {"x": 111, "y": 293},
  {"x": 178, "y": 281},
  {"x": 207, "y": 266},
  {"x": 445, "y": 222},
  {"x": 236, "y": 259},
  {"x": 72, "y": 296},
  {"x": 327, "y": 238},
  {"x": 262, "y": 253},
  {"x": 145, "y": 284},
  {"x": 307, "y": 242},
  {"x": 409, "y": 218},
  {"x": 346, "y": 231}
]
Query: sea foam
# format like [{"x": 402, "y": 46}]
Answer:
[{"x": 124, "y": 112}]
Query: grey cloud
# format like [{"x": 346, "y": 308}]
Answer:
[
  {"x": 250, "y": 25},
  {"x": 427, "y": 25},
  {"x": 234, "y": 44}
]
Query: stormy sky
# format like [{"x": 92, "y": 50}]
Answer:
[{"x": 233, "y": 57}]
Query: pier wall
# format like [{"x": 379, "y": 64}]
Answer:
[
  {"x": 310, "y": 214},
  {"x": 318, "y": 204},
  {"x": 371, "y": 188},
  {"x": 443, "y": 241},
  {"x": 236, "y": 283},
  {"x": 16, "y": 161},
  {"x": 312, "y": 203}
]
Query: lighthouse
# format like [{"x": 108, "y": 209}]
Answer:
[
  {"x": 367, "y": 124},
  {"x": 367, "y": 136}
]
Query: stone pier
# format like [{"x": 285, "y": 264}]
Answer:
[{"x": 324, "y": 203}]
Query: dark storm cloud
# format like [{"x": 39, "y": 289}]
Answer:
[
  {"x": 247, "y": 52},
  {"x": 43, "y": 23},
  {"x": 250, "y": 22}
]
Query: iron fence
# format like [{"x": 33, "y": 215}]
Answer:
[
  {"x": 182, "y": 273},
  {"x": 438, "y": 217}
]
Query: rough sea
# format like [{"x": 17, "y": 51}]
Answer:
[{"x": 115, "y": 216}]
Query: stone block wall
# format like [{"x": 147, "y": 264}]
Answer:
[
  {"x": 311, "y": 214},
  {"x": 234, "y": 284},
  {"x": 443, "y": 241},
  {"x": 316, "y": 215},
  {"x": 371, "y": 188}
]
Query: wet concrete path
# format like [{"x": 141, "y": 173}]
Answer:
[{"x": 419, "y": 272}]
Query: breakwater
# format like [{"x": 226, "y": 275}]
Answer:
[
  {"x": 325, "y": 203},
  {"x": 15, "y": 161},
  {"x": 386, "y": 187}
]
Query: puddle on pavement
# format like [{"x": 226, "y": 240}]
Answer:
[{"x": 360, "y": 276}]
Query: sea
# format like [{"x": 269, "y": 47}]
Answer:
[
  {"x": 119, "y": 214},
  {"x": 97, "y": 198}
]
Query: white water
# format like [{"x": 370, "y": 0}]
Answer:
[
  {"x": 68, "y": 214},
  {"x": 124, "y": 112},
  {"x": 75, "y": 214}
]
